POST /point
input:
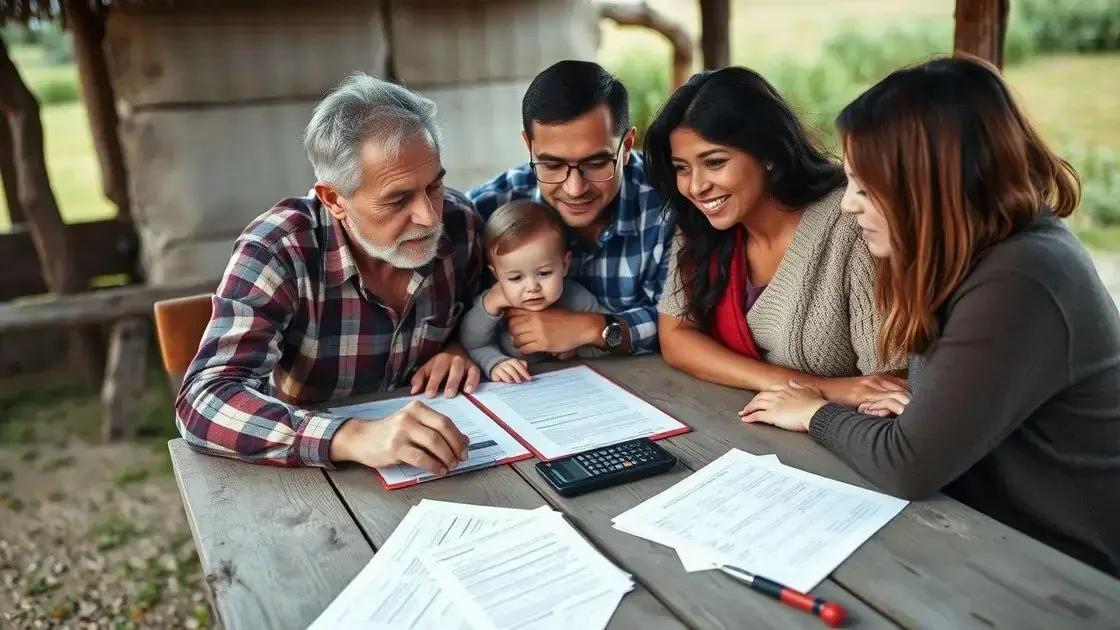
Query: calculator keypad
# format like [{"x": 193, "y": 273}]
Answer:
[{"x": 616, "y": 458}]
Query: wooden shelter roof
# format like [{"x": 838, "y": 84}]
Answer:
[{"x": 45, "y": 10}]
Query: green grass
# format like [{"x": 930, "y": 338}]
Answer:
[
  {"x": 762, "y": 30},
  {"x": 39, "y": 408},
  {"x": 1071, "y": 97}
]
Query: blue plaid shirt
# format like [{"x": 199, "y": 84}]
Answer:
[{"x": 626, "y": 268}]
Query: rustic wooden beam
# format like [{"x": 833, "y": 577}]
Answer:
[
  {"x": 94, "y": 307},
  {"x": 108, "y": 248},
  {"x": 87, "y": 25},
  {"x": 645, "y": 16},
  {"x": 980, "y": 28},
  {"x": 715, "y": 33}
]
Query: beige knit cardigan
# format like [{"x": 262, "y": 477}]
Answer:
[{"x": 817, "y": 314}]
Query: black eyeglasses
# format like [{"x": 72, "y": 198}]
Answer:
[{"x": 594, "y": 170}]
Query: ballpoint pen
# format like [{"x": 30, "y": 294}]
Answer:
[{"x": 829, "y": 612}]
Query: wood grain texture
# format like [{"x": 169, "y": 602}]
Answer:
[
  {"x": 93, "y": 307},
  {"x": 276, "y": 544},
  {"x": 938, "y": 564}
]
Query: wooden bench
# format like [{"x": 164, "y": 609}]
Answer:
[
  {"x": 127, "y": 310},
  {"x": 277, "y": 545}
]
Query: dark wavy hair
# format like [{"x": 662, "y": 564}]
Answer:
[{"x": 738, "y": 108}]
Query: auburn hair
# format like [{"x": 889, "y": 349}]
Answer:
[{"x": 954, "y": 164}]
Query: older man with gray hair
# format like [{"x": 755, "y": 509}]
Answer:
[{"x": 353, "y": 289}]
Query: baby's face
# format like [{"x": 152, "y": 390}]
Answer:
[{"x": 532, "y": 275}]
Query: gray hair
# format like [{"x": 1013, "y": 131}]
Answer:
[{"x": 363, "y": 108}]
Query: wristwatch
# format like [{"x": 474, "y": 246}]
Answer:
[{"x": 612, "y": 333}]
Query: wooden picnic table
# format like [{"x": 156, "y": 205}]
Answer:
[{"x": 277, "y": 545}]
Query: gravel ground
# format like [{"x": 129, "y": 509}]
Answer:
[{"x": 95, "y": 537}]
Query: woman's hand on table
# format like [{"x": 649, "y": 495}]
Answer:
[
  {"x": 789, "y": 407},
  {"x": 856, "y": 390},
  {"x": 885, "y": 404}
]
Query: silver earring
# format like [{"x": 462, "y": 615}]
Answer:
[{"x": 769, "y": 166}]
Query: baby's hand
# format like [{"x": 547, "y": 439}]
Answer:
[
  {"x": 510, "y": 371},
  {"x": 495, "y": 300}
]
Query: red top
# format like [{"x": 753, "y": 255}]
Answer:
[{"x": 730, "y": 317}]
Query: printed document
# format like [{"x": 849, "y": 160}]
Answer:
[
  {"x": 490, "y": 445},
  {"x": 771, "y": 519},
  {"x": 395, "y": 590},
  {"x": 572, "y": 410},
  {"x": 531, "y": 573}
]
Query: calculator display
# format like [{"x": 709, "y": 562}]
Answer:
[{"x": 570, "y": 470}]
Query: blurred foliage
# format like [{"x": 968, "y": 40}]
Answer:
[
  {"x": 1099, "y": 170},
  {"x": 854, "y": 58},
  {"x": 1069, "y": 25}
]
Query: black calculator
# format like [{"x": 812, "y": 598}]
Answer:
[{"x": 606, "y": 466}]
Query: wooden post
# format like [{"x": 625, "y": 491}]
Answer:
[
  {"x": 8, "y": 174},
  {"x": 33, "y": 189},
  {"x": 125, "y": 371},
  {"x": 715, "y": 39},
  {"x": 88, "y": 28},
  {"x": 32, "y": 184},
  {"x": 981, "y": 26}
]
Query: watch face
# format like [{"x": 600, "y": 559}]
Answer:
[{"x": 612, "y": 334}]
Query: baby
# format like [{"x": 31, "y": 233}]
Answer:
[{"x": 529, "y": 257}]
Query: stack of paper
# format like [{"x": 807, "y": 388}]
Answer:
[
  {"x": 758, "y": 514},
  {"x": 453, "y": 565}
]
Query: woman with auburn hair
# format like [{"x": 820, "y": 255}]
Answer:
[
  {"x": 1015, "y": 381},
  {"x": 767, "y": 279}
]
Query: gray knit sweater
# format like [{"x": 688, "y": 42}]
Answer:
[{"x": 817, "y": 314}]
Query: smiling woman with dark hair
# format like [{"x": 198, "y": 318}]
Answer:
[{"x": 768, "y": 281}]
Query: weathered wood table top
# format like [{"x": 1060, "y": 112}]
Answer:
[{"x": 277, "y": 545}]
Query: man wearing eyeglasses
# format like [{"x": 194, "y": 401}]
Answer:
[{"x": 576, "y": 128}]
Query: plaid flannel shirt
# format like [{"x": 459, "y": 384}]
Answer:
[
  {"x": 627, "y": 267},
  {"x": 293, "y": 327}
]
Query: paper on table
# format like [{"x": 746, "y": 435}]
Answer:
[
  {"x": 395, "y": 590},
  {"x": 768, "y": 518},
  {"x": 572, "y": 410},
  {"x": 694, "y": 559},
  {"x": 489, "y": 443},
  {"x": 535, "y": 572}
]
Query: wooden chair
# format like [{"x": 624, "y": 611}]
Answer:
[{"x": 180, "y": 323}]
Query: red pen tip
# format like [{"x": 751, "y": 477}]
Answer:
[{"x": 832, "y": 614}]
